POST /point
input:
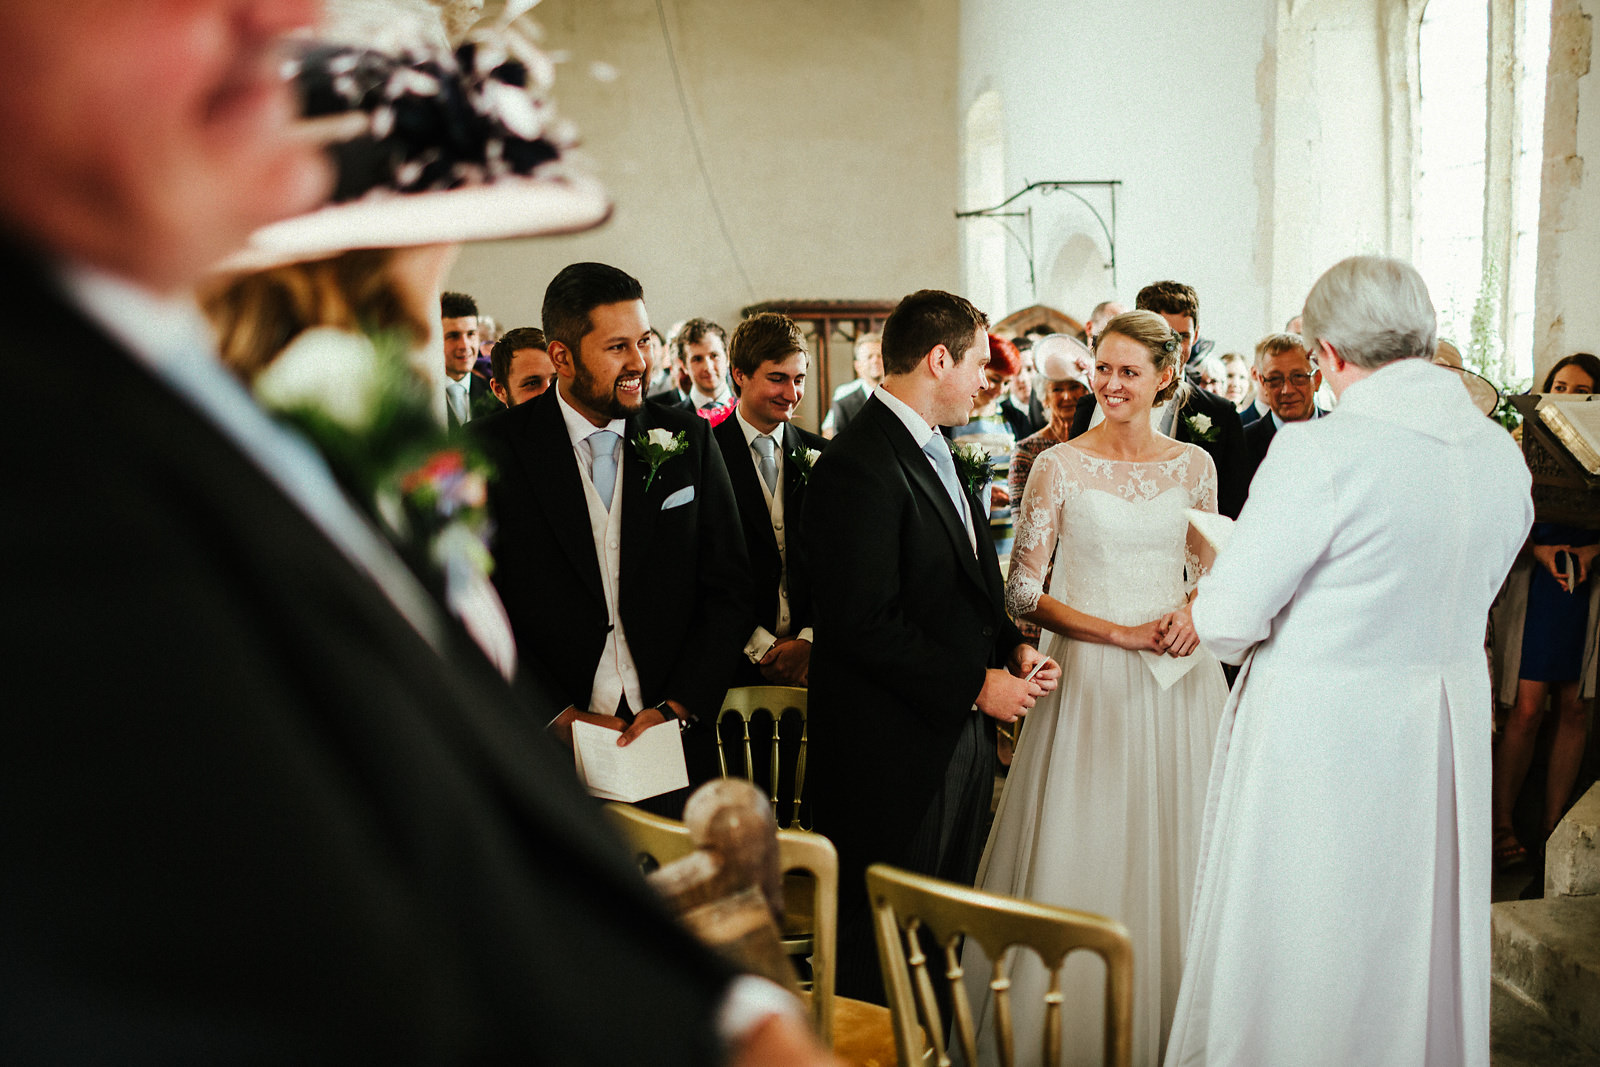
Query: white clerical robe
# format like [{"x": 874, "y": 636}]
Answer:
[{"x": 1342, "y": 904}]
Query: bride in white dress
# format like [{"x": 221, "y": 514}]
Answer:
[{"x": 1102, "y": 806}]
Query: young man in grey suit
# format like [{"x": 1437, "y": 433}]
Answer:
[{"x": 915, "y": 658}]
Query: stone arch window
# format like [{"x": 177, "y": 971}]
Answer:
[
  {"x": 984, "y": 185},
  {"x": 1481, "y": 68}
]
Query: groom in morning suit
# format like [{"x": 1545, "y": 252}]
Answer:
[
  {"x": 583, "y": 522},
  {"x": 915, "y": 656}
]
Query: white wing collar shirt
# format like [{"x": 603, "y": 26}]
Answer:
[
  {"x": 922, "y": 433},
  {"x": 616, "y": 677}
]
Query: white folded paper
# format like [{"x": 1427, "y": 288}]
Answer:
[
  {"x": 1216, "y": 529},
  {"x": 650, "y": 765},
  {"x": 1168, "y": 669}
]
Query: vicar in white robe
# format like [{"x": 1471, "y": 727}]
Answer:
[{"x": 1342, "y": 905}]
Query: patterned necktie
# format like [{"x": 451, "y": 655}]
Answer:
[
  {"x": 603, "y": 463},
  {"x": 766, "y": 448},
  {"x": 938, "y": 450}
]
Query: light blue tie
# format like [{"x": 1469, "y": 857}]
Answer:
[
  {"x": 765, "y": 447},
  {"x": 458, "y": 400},
  {"x": 938, "y": 450},
  {"x": 603, "y": 463}
]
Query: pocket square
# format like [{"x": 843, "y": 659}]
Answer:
[{"x": 678, "y": 499}]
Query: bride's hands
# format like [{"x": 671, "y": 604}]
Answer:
[
  {"x": 1151, "y": 637},
  {"x": 1180, "y": 639}
]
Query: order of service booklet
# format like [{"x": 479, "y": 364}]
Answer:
[{"x": 650, "y": 765}]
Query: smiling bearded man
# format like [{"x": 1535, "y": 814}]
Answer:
[{"x": 624, "y": 577}]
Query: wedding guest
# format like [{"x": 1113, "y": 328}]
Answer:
[
  {"x": 464, "y": 391},
  {"x": 585, "y": 509},
  {"x": 1210, "y": 375},
  {"x": 850, "y": 398},
  {"x": 700, "y": 347},
  {"x": 769, "y": 463},
  {"x": 660, "y": 380},
  {"x": 1060, "y": 359},
  {"x": 1103, "y": 313},
  {"x": 1239, "y": 388},
  {"x": 1546, "y": 650},
  {"x": 986, "y": 428},
  {"x": 1021, "y": 406},
  {"x": 1342, "y": 909},
  {"x": 306, "y": 334},
  {"x": 915, "y": 655},
  {"x": 520, "y": 366},
  {"x": 1179, "y": 304},
  {"x": 1287, "y": 380},
  {"x": 291, "y": 814}
]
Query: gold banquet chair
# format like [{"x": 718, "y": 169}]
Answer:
[
  {"x": 774, "y": 702},
  {"x": 665, "y": 840},
  {"x": 904, "y": 903}
]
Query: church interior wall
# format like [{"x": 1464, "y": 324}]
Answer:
[
  {"x": 1256, "y": 143},
  {"x": 828, "y": 134}
]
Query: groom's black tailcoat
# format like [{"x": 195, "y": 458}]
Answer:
[
  {"x": 907, "y": 621},
  {"x": 683, "y": 588},
  {"x": 250, "y": 814}
]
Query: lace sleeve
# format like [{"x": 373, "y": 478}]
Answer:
[
  {"x": 1036, "y": 532},
  {"x": 1198, "y": 555}
]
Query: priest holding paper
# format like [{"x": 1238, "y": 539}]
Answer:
[{"x": 1342, "y": 907}]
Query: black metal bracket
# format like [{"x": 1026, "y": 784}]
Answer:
[{"x": 999, "y": 214}]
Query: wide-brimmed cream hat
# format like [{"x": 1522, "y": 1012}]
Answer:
[
  {"x": 432, "y": 146},
  {"x": 1482, "y": 391}
]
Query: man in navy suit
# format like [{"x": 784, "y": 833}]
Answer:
[
  {"x": 1287, "y": 380},
  {"x": 467, "y": 394},
  {"x": 594, "y": 489},
  {"x": 769, "y": 462},
  {"x": 915, "y": 657}
]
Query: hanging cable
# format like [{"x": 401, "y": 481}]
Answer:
[{"x": 699, "y": 157}]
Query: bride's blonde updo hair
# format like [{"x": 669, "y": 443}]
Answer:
[{"x": 1150, "y": 332}]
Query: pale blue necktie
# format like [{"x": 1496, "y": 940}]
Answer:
[
  {"x": 603, "y": 463},
  {"x": 938, "y": 450},
  {"x": 458, "y": 400},
  {"x": 765, "y": 447}
]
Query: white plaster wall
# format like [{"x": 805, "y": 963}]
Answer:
[
  {"x": 1567, "y": 313},
  {"x": 1163, "y": 95},
  {"x": 829, "y": 130}
]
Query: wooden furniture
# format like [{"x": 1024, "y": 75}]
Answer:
[
  {"x": 905, "y": 904},
  {"x": 663, "y": 841},
  {"x": 1563, "y": 491}
]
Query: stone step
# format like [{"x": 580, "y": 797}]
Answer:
[
  {"x": 1548, "y": 953},
  {"x": 1521, "y": 1035},
  {"x": 1572, "y": 855}
]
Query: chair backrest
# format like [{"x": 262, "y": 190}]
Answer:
[
  {"x": 904, "y": 903},
  {"x": 774, "y": 702},
  {"x": 665, "y": 840}
]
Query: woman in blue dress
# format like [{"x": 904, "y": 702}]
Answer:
[{"x": 1556, "y": 653}]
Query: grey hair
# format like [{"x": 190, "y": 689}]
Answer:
[
  {"x": 1373, "y": 310},
  {"x": 1278, "y": 344}
]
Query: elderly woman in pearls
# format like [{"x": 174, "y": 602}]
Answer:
[{"x": 1063, "y": 363}]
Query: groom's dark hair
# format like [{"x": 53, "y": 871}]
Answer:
[
  {"x": 578, "y": 290},
  {"x": 924, "y": 320}
]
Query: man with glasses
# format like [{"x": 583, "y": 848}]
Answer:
[{"x": 1286, "y": 380}]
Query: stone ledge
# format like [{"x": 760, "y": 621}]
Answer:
[
  {"x": 1572, "y": 855},
  {"x": 1548, "y": 952}
]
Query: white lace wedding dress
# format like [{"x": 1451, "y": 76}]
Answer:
[{"x": 1102, "y": 806}]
